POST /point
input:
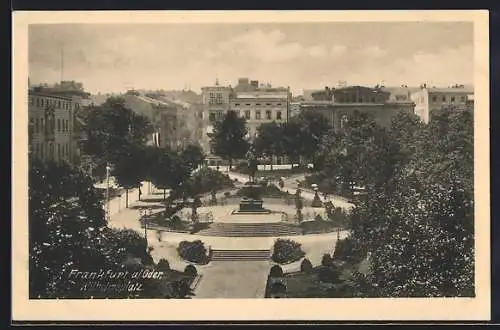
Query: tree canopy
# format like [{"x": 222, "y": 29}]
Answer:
[
  {"x": 420, "y": 229},
  {"x": 228, "y": 139}
]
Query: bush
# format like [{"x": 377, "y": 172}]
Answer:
[
  {"x": 163, "y": 265},
  {"x": 286, "y": 251},
  {"x": 207, "y": 179},
  {"x": 336, "y": 214},
  {"x": 176, "y": 222},
  {"x": 347, "y": 250},
  {"x": 190, "y": 270},
  {"x": 276, "y": 271},
  {"x": 193, "y": 251},
  {"x": 329, "y": 274},
  {"x": 317, "y": 226},
  {"x": 306, "y": 266},
  {"x": 327, "y": 260},
  {"x": 278, "y": 289}
]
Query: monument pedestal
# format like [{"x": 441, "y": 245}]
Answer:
[{"x": 252, "y": 203}]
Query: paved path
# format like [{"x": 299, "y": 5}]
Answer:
[{"x": 233, "y": 279}]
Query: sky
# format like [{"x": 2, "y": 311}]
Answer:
[{"x": 116, "y": 57}]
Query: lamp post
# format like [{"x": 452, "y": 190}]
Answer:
[
  {"x": 108, "y": 168},
  {"x": 145, "y": 214}
]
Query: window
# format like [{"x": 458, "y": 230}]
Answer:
[
  {"x": 237, "y": 112},
  {"x": 453, "y": 99},
  {"x": 353, "y": 98},
  {"x": 211, "y": 116},
  {"x": 36, "y": 126},
  {"x": 444, "y": 99},
  {"x": 220, "y": 114},
  {"x": 42, "y": 128},
  {"x": 343, "y": 120},
  {"x": 67, "y": 125},
  {"x": 278, "y": 115},
  {"x": 59, "y": 104},
  {"x": 462, "y": 98},
  {"x": 237, "y": 104},
  {"x": 373, "y": 99},
  {"x": 32, "y": 100},
  {"x": 37, "y": 102},
  {"x": 268, "y": 103},
  {"x": 41, "y": 150},
  {"x": 59, "y": 125},
  {"x": 268, "y": 115},
  {"x": 257, "y": 115},
  {"x": 248, "y": 104},
  {"x": 247, "y": 114},
  {"x": 257, "y": 104},
  {"x": 360, "y": 99},
  {"x": 434, "y": 98},
  {"x": 58, "y": 151},
  {"x": 219, "y": 98},
  {"x": 278, "y": 104}
]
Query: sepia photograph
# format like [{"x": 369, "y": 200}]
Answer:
[{"x": 190, "y": 160}]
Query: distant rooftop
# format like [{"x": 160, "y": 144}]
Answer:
[
  {"x": 451, "y": 90},
  {"x": 261, "y": 95}
]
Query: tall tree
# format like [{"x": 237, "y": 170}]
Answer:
[
  {"x": 421, "y": 232},
  {"x": 228, "y": 139},
  {"x": 68, "y": 233},
  {"x": 111, "y": 126},
  {"x": 168, "y": 171},
  {"x": 132, "y": 168},
  {"x": 311, "y": 128},
  {"x": 192, "y": 156},
  {"x": 269, "y": 140},
  {"x": 292, "y": 143}
]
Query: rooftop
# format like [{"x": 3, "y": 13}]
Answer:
[
  {"x": 47, "y": 94},
  {"x": 467, "y": 90}
]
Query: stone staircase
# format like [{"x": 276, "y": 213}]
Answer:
[
  {"x": 241, "y": 255},
  {"x": 269, "y": 229}
]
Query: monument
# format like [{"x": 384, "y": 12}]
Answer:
[{"x": 252, "y": 202}]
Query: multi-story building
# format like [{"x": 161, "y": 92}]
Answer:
[
  {"x": 429, "y": 99},
  {"x": 51, "y": 127},
  {"x": 261, "y": 107},
  {"x": 256, "y": 103},
  {"x": 337, "y": 103}
]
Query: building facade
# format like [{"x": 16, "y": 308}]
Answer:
[
  {"x": 51, "y": 127},
  {"x": 345, "y": 100},
  {"x": 257, "y": 103},
  {"x": 432, "y": 99}
]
